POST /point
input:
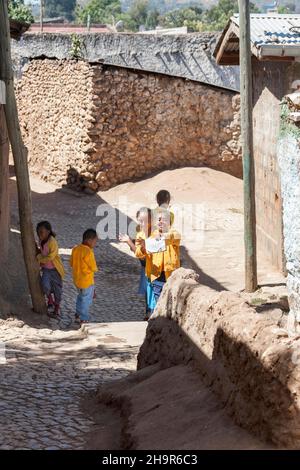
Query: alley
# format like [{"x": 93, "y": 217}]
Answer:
[{"x": 49, "y": 366}]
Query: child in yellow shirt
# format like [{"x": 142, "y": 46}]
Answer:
[
  {"x": 52, "y": 270},
  {"x": 160, "y": 265},
  {"x": 143, "y": 231},
  {"x": 84, "y": 267}
]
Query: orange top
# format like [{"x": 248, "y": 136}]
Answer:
[{"x": 84, "y": 266}]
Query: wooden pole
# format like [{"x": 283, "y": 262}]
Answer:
[
  {"x": 247, "y": 145},
  {"x": 4, "y": 190},
  {"x": 21, "y": 167},
  {"x": 41, "y": 16}
]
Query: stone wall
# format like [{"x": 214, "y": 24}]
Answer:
[
  {"x": 245, "y": 355},
  {"x": 289, "y": 162},
  {"x": 96, "y": 126},
  {"x": 186, "y": 55},
  {"x": 55, "y": 106}
]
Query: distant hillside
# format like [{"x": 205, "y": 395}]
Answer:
[{"x": 167, "y": 5}]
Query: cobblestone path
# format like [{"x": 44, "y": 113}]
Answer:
[
  {"x": 47, "y": 369},
  {"x": 46, "y": 375}
]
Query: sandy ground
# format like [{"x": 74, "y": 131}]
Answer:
[
  {"x": 212, "y": 205},
  {"x": 172, "y": 409}
]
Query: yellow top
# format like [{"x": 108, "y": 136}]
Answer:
[
  {"x": 53, "y": 257},
  {"x": 84, "y": 266},
  {"x": 166, "y": 261}
]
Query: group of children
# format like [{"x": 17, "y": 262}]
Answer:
[
  {"x": 158, "y": 259},
  {"x": 83, "y": 265},
  {"x": 157, "y": 246}
]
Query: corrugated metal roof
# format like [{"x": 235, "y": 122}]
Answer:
[{"x": 273, "y": 29}]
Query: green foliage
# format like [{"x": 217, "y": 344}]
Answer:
[
  {"x": 142, "y": 12},
  {"x": 152, "y": 19},
  {"x": 18, "y": 11},
  {"x": 216, "y": 18},
  {"x": 55, "y": 8},
  {"x": 190, "y": 17},
  {"x": 283, "y": 9},
  {"x": 139, "y": 11},
  {"x": 288, "y": 127},
  {"x": 76, "y": 48},
  {"x": 100, "y": 11},
  {"x": 109, "y": 11}
]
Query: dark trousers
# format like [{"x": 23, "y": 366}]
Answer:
[{"x": 52, "y": 284}]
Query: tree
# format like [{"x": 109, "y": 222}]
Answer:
[
  {"x": 283, "y": 9},
  {"x": 215, "y": 18},
  {"x": 18, "y": 11},
  {"x": 152, "y": 19},
  {"x": 100, "y": 11},
  {"x": 109, "y": 11},
  {"x": 190, "y": 17},
  {"x": 139, "y": 12},
  {"x": 54, "y": 8}
]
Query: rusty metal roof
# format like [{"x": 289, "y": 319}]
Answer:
[
  {"x": 274, "y": 29},
  {"x": 272, "y": 35}
]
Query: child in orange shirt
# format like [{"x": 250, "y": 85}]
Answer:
[{"x": 84, "y": 267}]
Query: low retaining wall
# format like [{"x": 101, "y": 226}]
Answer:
[{"x": 246, "y": 357}]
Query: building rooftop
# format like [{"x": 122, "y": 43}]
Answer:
[
  {"x": 273, "y": 37},
  {"x": 67, "y": 28}
]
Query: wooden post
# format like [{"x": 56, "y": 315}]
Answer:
[
  {"x": 41, "y": 16},
  {"x": 5, "y": 284},
  {"x": 247, "y": 143},
  {"x": 4, "y": 190},
  {"x": 21, "y": 167}
]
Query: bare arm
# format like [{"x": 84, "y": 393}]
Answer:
[{"x": 127, "y": 239}]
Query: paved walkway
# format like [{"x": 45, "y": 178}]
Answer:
[
  {"x": 48, "y": 366},
  {"x": 46, "y": 375}
]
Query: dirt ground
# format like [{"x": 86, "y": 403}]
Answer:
[
  {"x": 58, "y": 367},
  {"x": 215, "y": 200},
  {"x": 172, "y": 409}
]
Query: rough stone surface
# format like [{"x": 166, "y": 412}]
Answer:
[
  {"x": 245, "y": 356},
  {"x": 46, "y": 374},
  {"x": 93, "y": 126},
  {"x": 187, "y": 56},
  {"x": 289, "y": 162}
]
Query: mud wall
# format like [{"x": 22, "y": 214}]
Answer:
[
  {"x": 94, "y": 126},
  {"x": 246, "y": 357}
]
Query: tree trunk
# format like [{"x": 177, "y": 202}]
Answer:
[{"x": 21, "y": 167}]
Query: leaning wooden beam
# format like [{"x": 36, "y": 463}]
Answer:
[{"x": 21, "y": 167}]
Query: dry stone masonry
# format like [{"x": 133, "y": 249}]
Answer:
[{"x": 95, "y": 126}]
